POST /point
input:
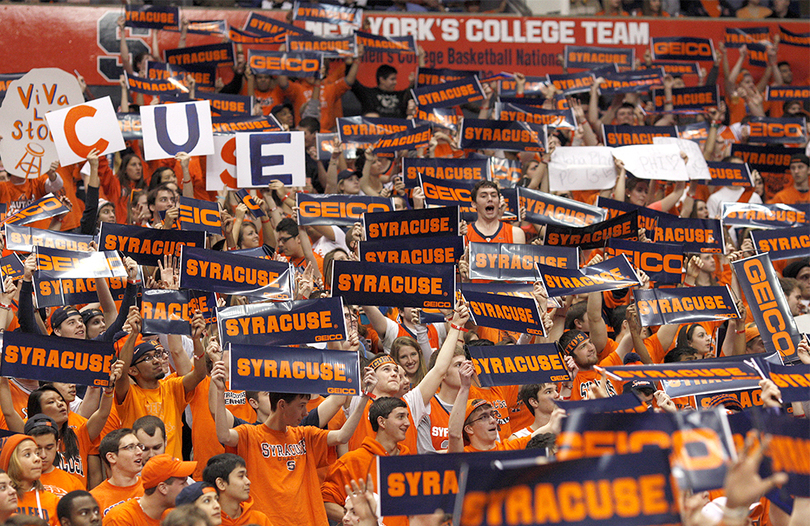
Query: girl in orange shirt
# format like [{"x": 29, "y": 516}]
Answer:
[{"x": 24, "y": 467}]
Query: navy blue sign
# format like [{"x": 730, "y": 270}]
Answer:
[
  {"x": 426, "y": 222},
  {"x": 793, "y": 381},
  {"x": 626, "y": 402},
  {"x": 690, "y": 49},
  {"x": 211, "y": 55},
  {"x": 338, "y": 209},
  {"x": 516, "y": 262},
  {"x": 624, "y": 226},
  {"x": 223, "y": 272},
  {"x": 624, "y": 135},
  {"x": 549, "y": 209},
  {"x": 509, "y": 313},
  {"x": 171, "y": 311},
  {"x": 366, "y": 131},
  {"x": 53, "y": 359},
  {"x": 631, "y": 81},
  {"x": 223, "y": 105},
  {"x": 430, "y": 76},
  {"x": 687, "y": 100},
  {"x": 291, "y": 64},
  {"x": 440, "y": 250},
  {"x": 587, "y": 57},
  {"x": 753, "y": 215},
  {"x": 75, "y": 291},
  {"x": 412, "y": 139},
  {"x": 511, "y": 136},
  {"x": 614, "y": 273},
  {"x": 152, "y": 17},
  {"x": 449, "y": 93},
  {"x": 328, "y": 13},
  {"x": 443, "y": 168},
  {"x": 147, "y": 246},
  {"x": 24, "y": 238},
  {"x": 283, "y": 323},
  {"x": 684, "y": 305},
  {"x": 703, "y": 385},
  {"x": 572, "y": 82},
  {"x": 447, "y": 192},
  {"x": 662, "y": 262},
  {"x": 200, "y": 215},
  {"x": 697, "y": 235},
  {"x": 519, "y": 364},
  {"x": 294, "y": 370},
  {"x": 729, "y": 174},
  {"x": 384, "y": 284},
  {"x": 406, "y": 44}
]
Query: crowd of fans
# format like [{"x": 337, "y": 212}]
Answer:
[{"x": 113, "y": 454}]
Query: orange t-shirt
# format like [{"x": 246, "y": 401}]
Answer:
[
  {"x": 167, "y": 402},
  {"x": 503, "y": 235},
  {"x": 585, "y": 379},
  {"x": 60, "y": 483},
  {"x": 109, "y": 496},
  {"x": 19, "y": 398},
  {"x": 248, "y": 516},
  {"x": 789, "y": 196},
  {"x": 502, "y": 398},
  {"x": 129, "y": 513},
  {"x": 286, "y": 463},
  {"x": 364, "y": 427},
  {"x": 46, "y": 508},
  {"x": 331, "y": 101},
  {"x": 204, "y": 427},
  {"x": 503, "y": 445}
]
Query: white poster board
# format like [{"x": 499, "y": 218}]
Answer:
[
  {"x": 264, "y": 157},
  {"x": 221, "y": 166},
  {"x": 653, "y": 161},
  {"x": 81, "y": 128},
  {"x": 581, "y": 168},
  {"x": 169, "y": 129}
]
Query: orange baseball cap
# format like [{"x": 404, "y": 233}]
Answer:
[{"x": 162, "y": 467}]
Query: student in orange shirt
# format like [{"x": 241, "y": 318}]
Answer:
[
  {"x": 46, "y": 435},
  {"x": 18, "y": 457},
  {"x": 78, "y": 508},
  {"x": 145, "y": 390},
  {"x": 294, "y": 244},
  {"x": 476, "y": 428},
  {"x": 282, "y": 455},
  {"x": 202, "y": 496},
  {"x": 163, "y": 479},
  {"x": 121, "y": 451},
  {"x": 800, "y": 191},
  {"x": 151, "y": 433},
  {"x": 578, "y": 346},
  {"x": 8, "y": 497},
  {"x": 432, "y": 429},
  {"x": 389, "y": 421},
  {"x": 227, "y": 474},
  {"x": 539, "y": 398}
]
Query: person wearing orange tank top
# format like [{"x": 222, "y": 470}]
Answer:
[
  {"x": 432, "y": 429},
  {"x": 488, "y": 228}
]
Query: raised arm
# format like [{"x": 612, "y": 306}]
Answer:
[
  {"x": 342, "y": 435},
  {"x": 433, "y": 379},
  {"x": 192, "y": 379},
  {"x": 122, "y": 382},
  {"x": 225, "y": 434},
  {"x": 97, "y": 421},
  {"x": 455, "y": 424}
]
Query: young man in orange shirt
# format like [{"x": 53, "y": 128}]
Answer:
[
  {"x": 389, "y": 421},
  {"x": 163, "y": 479},
  {"x": 284, "y": 456},
  {"x": 121, "y": 451},
  {"x": 473, "y": 424},
  {"x": 488, "y": 228},
  {"x": 228, "y": 474},
  {"x": 146, "y": 391},
  {"x": 800, "y": 191},
  {"x": 539, "y": 398}
]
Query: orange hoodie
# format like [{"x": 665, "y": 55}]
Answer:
[
  {"x": 357, "y": 464},
  {"x": 248, "y": 516}
]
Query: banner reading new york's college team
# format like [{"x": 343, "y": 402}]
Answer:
[
  {"x": 427, "y": 222},
  {"x": 611, "y": 274},
  {"x": 54, "y": 359},
  {"x": 509, "y": 313},
  {"x": 684, "y": 305},
  {"x": 515, "y": 262},
  {"x": 294, "y": 370},
  {"x": 147, "y": 246},
  {"x": 362, "y": 283},
  {"x": 222, "y": 272},
  {"x": 519, "y": 364},
  {"x": 283, "y": 323}
]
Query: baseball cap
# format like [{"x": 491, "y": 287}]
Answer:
[
  {"x": 192, "y": 492},
  {"x": 472, "y": 405},
  {"x": 61, "y": 314},
  {"x": 163, "y": 467},
  {"x": 141, "y": 349},
  {"x": 800, "y": 158},
  {"x": 39, "y": 420},
  {"x": 89, "y": 314},
  {"x": 751, "y": 332},
  {"x": 345, "y": 174}
]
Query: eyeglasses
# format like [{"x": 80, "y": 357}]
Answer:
[
  {"x": 284, "y": 240},
  {"x": 132, "y": 447},
  {"x": 486, "y": 415},
  {"x": 157, "y": 355}
]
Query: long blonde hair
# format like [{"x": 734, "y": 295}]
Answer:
[{"x": 407, "y": 341}]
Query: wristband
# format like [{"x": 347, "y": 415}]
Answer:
[
  {"x": 370, "y": 395},
  {"x": 685, "y": 284},
  {"x": 134, "y": 281},
  {"x": 266, "y": 220},
  {"x": 456, "y": 327},
  {"x": 105, "y": 395},
  {"x": 740, "y": 332}
]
